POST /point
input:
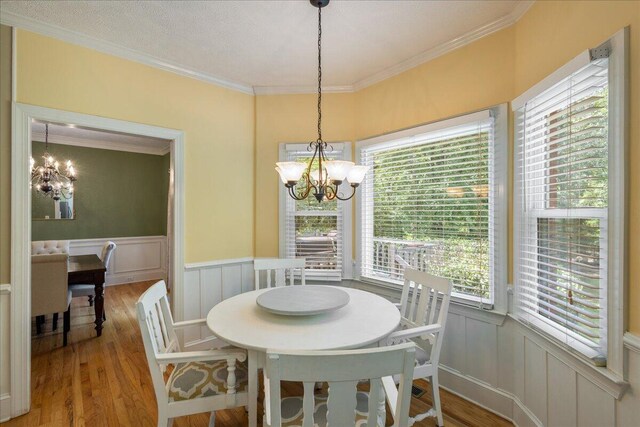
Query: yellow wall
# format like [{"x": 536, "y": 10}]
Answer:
[
  {"x": 218, "y": 125},
  {"x": 492, "y": 70},
  {"x": 290, "y": 118}
]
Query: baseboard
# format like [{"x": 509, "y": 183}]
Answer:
[
  {"x": 5, "y": 407},
  {"x": 494, "y": 400}
]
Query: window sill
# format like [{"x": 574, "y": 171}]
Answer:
[{"x": 393, "y": 292}]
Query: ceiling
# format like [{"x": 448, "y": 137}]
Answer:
[
  {"x": 266, "y": 45},
  {"x": 94, "y": 138}
]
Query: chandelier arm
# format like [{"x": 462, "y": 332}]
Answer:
[{"x": 353, "y": 193}]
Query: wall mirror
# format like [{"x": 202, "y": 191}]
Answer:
[{"x": 46, "y": 208}]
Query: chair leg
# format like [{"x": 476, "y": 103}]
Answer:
[
  {"x": 39, "y": 323},
  {"x": 67, "y": 325},
  {"x": 212, "y": 419},
  {"x": 90, "y": 300},
  {"x": 55, "y": 322},
  {"x": 163, "y": 420},
  {"x": 435, "y": 392}
]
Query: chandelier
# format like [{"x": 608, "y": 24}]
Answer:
[
  {"x": 321, "y": 176},
  {"x": 47, "y": 180}
]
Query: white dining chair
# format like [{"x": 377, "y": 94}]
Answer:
[
  {"x": 281, "y": 269},
  {"x": 345, "y": 405},
  {"x": 201, "y": 381},
  {"x": 424, "y": 306},
  {"x": 88, "y": 289}
]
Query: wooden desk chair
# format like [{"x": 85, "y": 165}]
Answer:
[
  {"x": 201, "y": 381},
  {"x": 424, "y": 306},
  {"x": 344, "y": 406},
  {"x": 280, "y": 269}
]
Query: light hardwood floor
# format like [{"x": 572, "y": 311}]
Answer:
[{"x": 105, "y": 381}]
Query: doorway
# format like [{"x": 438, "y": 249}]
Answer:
[{"x": 23, "y": 118}]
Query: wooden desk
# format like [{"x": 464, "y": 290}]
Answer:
[{"x": 90, "y": 269}]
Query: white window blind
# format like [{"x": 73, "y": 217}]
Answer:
[
  {"x": 315, "y": 230},
  {"x": 561, "y": 210},
  {"x": 428, "y": 200}
]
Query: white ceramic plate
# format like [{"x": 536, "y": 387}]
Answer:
[{"x": 302, "y": 300}]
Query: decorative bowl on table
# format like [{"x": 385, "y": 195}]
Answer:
[{"x": 305, "y": 300}]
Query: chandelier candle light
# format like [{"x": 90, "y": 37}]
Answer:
[
  {"x": 326, "y": 179},
  {"x": 47, "y": 179}
]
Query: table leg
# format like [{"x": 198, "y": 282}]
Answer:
[
  {"x": 99, "y": 304},
  {"x": 253, "y": 387}
]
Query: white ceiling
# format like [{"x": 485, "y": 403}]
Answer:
[
  {"x": 94, "y": 138},
  {"x": 271, "y": 43}
]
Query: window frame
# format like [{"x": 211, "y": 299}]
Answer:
[
  {"x": 499, "y": 181},
  {"x": 616, "y": 220},
  {"x": 283, "y": 197}
]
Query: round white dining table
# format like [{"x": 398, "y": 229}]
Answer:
[{"x": 363, "y": 322}]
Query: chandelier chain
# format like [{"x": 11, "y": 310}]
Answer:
[{"x": 319, "y": 74}]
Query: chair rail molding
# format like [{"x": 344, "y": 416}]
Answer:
[
  {"x": 5, "y": 289},
  {"x": 20, "y": 302}
]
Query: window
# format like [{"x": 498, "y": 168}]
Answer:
[
  {"x": 434, "y": 198},
  {"x": 564, "y": 192},
  {"x": 316, "y": 231}
]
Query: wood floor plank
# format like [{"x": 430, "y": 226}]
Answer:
[{"x": 105, "y": 381}]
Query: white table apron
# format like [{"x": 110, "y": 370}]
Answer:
[{"x": 363, "y": 322}]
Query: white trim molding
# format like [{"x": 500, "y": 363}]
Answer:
[
  {"x": 632, "y": 341},
  {"x": 20, "y": 350},
  {"x": 30, "y": 24},
  {"x": 49, "y": 30},
  {"x": 5, "y": 289},
  {"x": 130, "y": 147},
  {"x": 463, "y": 40}
]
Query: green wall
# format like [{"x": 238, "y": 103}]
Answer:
[{"x": 117, "y": 194}]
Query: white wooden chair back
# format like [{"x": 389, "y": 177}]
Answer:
[
  {"x": 342, "y": 370},
  {"x": 425, "y": 301},
  {"x": 158, "y": 334},
  {"x": 278, "y": 271}
]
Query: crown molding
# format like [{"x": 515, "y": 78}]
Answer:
[
  {"x": 36, "y": 26},
  {"x": 73, "y": 37},
  {"x": 103, "y": 145},
  {"x": 446, "y": 47},
  {"x": 295, "y": 90}
]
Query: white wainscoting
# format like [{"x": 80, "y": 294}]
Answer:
[
  {"x": 135, "y": 258},
  {"x": 208, "y": 283},
  {"x": 504, "y": 366}
]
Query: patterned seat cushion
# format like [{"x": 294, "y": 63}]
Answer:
[
  {"x": 202, "y": 379},
  {"x": 292, "y": 415}
]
